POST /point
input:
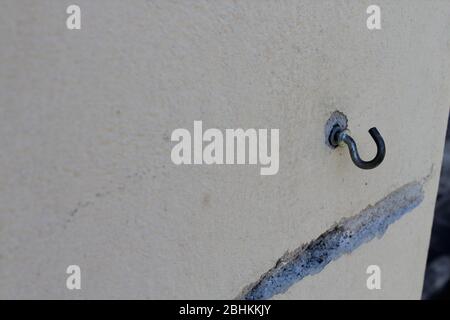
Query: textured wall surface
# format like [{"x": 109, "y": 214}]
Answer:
[{"x": 86, "y": 118}]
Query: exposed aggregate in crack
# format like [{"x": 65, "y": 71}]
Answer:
[{"x": 342, "y": 238}]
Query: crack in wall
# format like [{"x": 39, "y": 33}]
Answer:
[{"x": 342, "y": 238}]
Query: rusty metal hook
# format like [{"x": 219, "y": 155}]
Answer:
[{"x": 338, "y": 135}]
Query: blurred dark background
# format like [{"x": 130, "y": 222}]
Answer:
[{"x": 437, "y": 274}]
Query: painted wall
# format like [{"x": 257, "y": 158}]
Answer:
[{"x": 86, "y": 118}]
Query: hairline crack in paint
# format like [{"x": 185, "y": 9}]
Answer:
[{"x": 342, "y": 238}]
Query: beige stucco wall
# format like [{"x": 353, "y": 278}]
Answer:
[{"x": 86, "y": 118}]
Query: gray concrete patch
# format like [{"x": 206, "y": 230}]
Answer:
[{"x": 342, "y": 238}]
